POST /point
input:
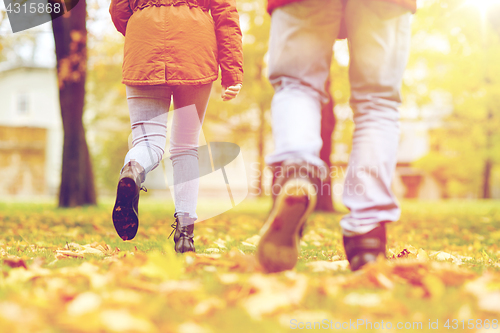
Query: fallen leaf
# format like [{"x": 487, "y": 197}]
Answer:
[
  {"x": 123, "y": 321},
  {"x": 323, "y": 265},
  {"x": 254, "y": 240},
  {"x": 191, "y": 327},
  {"x": 273, "y": 294},
  {"x": 15, "y": 262},
  {"x": 84, "y": 303},
  {"x": 490, "y": 302},
  {"x": 207, "y": 306},
  {"x": 364, "y": 300}
]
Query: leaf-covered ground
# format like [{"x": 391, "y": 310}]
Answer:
[{"x": 66, "y": 270}]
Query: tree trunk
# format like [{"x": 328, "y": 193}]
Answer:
[
  {"x": 488, "y": 163},
  {"x": 260, "y": 148},
  {"x": 325, "y": 188},
  {"x": 486, "y": 178},
  {"x": 261, "y": 134},
  {"x": 70, "y": 36}
]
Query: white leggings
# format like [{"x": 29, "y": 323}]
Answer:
[{"x": 148, "y": 107}]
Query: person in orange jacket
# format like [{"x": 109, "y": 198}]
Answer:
[
  {"x": 173, "y": 48},
  {"x": 300, "y": 51}
]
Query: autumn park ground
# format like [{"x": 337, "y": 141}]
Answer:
[{"x": 66, "y": 270}]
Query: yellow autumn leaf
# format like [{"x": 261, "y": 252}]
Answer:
[
  {"x": 123, "y": 321},
  {"x": 322, "y": 265}
]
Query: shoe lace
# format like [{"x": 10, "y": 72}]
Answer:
[
  {"x": 143, "y": 188},
  {"x": 174, "y": 226},
  {"x": 183, "y": 229}
]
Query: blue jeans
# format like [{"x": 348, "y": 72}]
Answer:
[
  {"x": 300, "y": 53},
  {"x": 148, "y": 107}
]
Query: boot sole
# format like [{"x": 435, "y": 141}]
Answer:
[
  {"x": 278, "y": 248},
  {"x": 125, "y": 219}
]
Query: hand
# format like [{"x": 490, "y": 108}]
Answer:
[{"x": 228, "y": 93}]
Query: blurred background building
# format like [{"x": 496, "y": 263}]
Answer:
[{"x": 30, "y": 130}]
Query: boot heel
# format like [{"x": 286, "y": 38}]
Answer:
[{"x": 126, "y": 210}]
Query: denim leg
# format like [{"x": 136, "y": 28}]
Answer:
[
  {"x": 300, "y": 52},
  {"x": 190, "y": 104},
  {"x": 379, "y": 36},
  {"x": 148, "y": 107}
]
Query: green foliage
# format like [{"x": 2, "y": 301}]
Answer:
[
  {"x": 454, "y": 64},
  {"x": 240, "y": 117},
  {"x": 107, "y": 119}
]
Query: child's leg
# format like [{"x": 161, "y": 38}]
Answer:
[
  {"x": 148, "y": 107},
  {"x": 190, "y": 104}
]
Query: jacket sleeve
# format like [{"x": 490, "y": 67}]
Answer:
[
  {"x": 120, "y": 13},
  {"x": 228, "y": 32}
]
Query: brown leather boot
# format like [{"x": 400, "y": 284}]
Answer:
[
  {"x": 126, "y": 210},
  {"x": 295, "y": 198},
  {"x": 184, "y": 233},
  {"x": 363, "y": 249}
]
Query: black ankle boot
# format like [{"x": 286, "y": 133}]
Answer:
[
  {"x": 126, "y": 209},
  {"x": 362, "y": 249},
  {"x": 184, "y": 233}
]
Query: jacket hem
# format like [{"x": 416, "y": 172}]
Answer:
[{"x": 186, "y": 82}]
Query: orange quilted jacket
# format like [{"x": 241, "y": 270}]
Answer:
[{"x": 179, "y": 42}]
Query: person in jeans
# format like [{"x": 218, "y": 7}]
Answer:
[
  {"x": 173, "y": 49},
  {"x": 300, "y": 51}
]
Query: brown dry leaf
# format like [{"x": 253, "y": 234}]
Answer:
[
  {"x": 103, "y": 248},
  {"x": 408, "y": 252},
  {"x": 451, "y": 274},
  {"x": 74, "y": 250},
  {"x": 411, "y": 271},
  {"x": 378, "y": 274},
  {"x": 403, "y": 254},
  {"x": 13, "y": 261},
  {"x": 63, "y": 254}
]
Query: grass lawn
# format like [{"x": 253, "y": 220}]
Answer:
[{"x": 66, "y": 270}]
